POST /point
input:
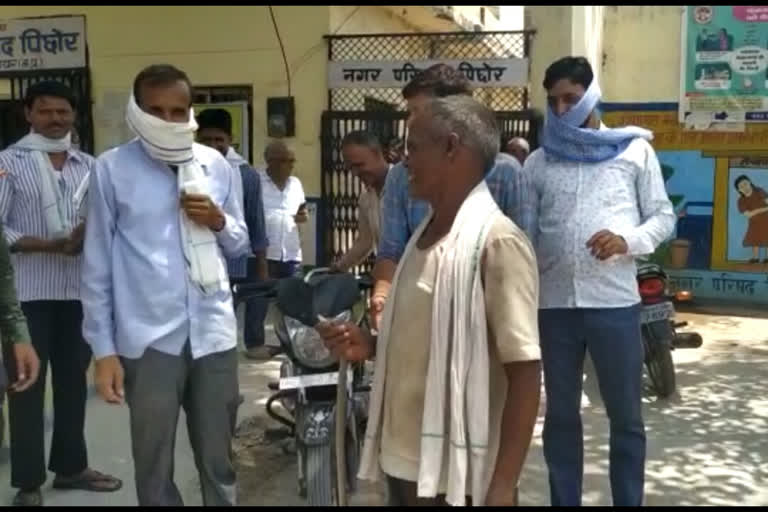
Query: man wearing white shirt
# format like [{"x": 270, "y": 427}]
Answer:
[
  {"x": 285, "y": 207},
  {"x": 163, "y": 216},
  {"x": 601, "y": 202}
]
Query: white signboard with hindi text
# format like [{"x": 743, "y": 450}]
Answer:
[
  {"x": 28, "y": 44},
  {"x": 360, "y": 74}
]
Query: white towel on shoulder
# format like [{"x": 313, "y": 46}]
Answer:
[
  {"x": 172, "y": 144},
  {"x": 52, "y": 199}
]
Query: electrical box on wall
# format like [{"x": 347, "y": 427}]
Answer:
[{"x": 281, "y": 117}]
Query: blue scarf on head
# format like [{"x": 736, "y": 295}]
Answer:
[{"x": 564, "y": 139}]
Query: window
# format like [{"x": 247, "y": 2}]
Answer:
[{"x": 231, "y": 94}]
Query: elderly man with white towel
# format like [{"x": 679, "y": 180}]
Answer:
[
  {"x": 41, "y": 177},
  {"x": 162, "y": 218},
  {"x": 457, "y": 377}
]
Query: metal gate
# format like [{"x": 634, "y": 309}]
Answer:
[
  {"x": 382, "y": 111},
  {"x": 13, "y": 125}
]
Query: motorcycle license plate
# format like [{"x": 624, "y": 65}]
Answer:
[
  {"x": 313, "y": 380},
  {"x": 662, "y": 311}
]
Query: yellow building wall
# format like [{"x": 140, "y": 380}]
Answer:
[
  {"x": 642, "y": 53},
  {"x": 366, "y": 19},
  {"x": 551, "y": 41},
  {"x": 215, "y": 45}
]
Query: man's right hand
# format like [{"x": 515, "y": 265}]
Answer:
[
  {"x": 109, "y": 379},
  {"x": 347, "y": 340},
  {"x": 377, "y": 309}
]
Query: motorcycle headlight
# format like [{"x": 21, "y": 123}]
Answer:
[{"x": 307, "y": 345}]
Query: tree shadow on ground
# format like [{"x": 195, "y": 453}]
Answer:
[{"x": 708, "y": 447}]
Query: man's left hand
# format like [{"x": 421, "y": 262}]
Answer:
[
  {"x": 203, "y": 211},
  {"x": 27, "y": 366},
  {"x": 301, "y": 216},
  {"x": 605, "y": 244},
  {"x": 501, "y": 495}
]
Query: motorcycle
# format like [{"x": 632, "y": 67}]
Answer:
[
  {"x": 309, "y": 376},
  {"x": 660, "y": 330}
]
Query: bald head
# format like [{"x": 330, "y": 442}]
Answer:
[
  {"x": 279, "y": 159},
  {"x": 519, "y": 148},
  {"x": 275, "y": 147}
]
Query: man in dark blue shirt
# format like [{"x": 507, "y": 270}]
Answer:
[{"x": 215, "y": 130}]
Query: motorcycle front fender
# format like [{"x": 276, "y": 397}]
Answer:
[{"x": 315, "y": 423}]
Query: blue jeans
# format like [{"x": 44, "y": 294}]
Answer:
[
  {"x": 614, "y": 341},
  {"x": 256, "y": 309}
]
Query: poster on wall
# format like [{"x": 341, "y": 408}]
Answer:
[
  {"x": 239, "y": 112},
  {"x": 748, "y": 210},
  {"x": 724, "y": 64}
]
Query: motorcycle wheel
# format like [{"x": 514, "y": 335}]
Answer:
[
  {"x": 661, "y": 370},
  {"x": 320, "y": 476}
]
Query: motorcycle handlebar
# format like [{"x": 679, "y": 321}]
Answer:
[{"x": 268, "y": 289}]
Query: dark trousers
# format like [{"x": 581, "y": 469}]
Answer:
[
  {"x": 256, "y": 308},
  {"x": 55, "y": 328},
  {"x": 157, "y": 386},
  {"x": 615, "y": 345}
]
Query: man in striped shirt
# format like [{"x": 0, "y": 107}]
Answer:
[{"x": 41, "y": 174}]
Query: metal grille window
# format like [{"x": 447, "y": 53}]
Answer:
[{"x": 382, "y": 111}]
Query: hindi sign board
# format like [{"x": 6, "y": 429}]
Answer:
[
  {"x": 56, "y": 42},
  {"x": 724, "y": 75},
  {"x": 360, "y": 74}
]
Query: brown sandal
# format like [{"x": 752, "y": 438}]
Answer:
[
  {"x": 28, "y": 499},
  {"x": 88, "y": 480}
]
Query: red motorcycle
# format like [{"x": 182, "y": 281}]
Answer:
[{"x": 659, "y": 328}]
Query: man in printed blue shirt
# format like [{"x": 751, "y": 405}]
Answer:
[{"x": 402, "y": 214}]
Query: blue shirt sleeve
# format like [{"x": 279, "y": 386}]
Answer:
[
  {"x": 513, "y": 190},
  {"x": 394, "y": 215},
  {"x": 96, "y": 277},
  {"x": 254, "y": 209}
]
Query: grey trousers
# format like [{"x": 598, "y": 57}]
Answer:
[{"x": 157, "y": 385}]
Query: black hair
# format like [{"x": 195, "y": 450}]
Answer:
[
  {"x": 159, "y": 74},
  {"x": 215, "y": 118},
  {"x": 440, "y": 80},
  {"x": 363, "y": 138},
  {"x": 576, "y": 69},
  {"x": 48, "y": 88},
  {"x": 741, "y": 178}
]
